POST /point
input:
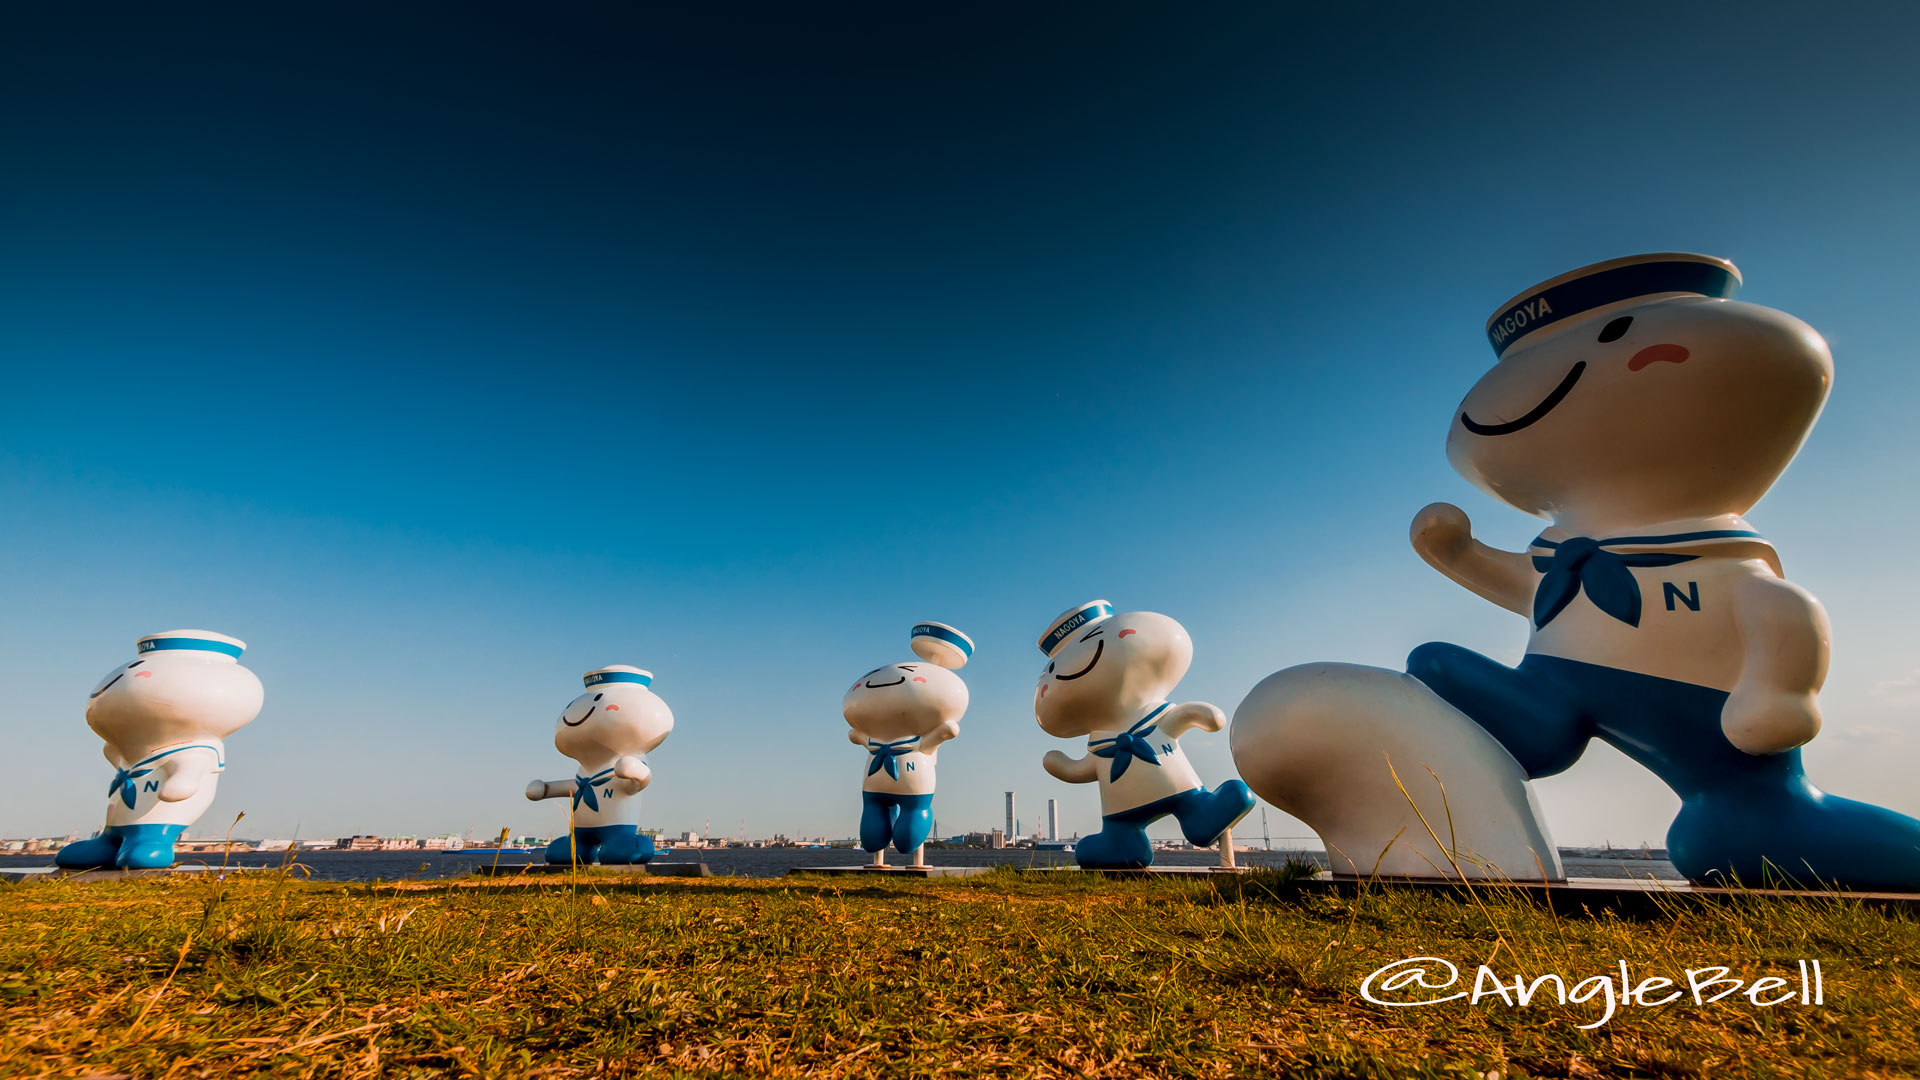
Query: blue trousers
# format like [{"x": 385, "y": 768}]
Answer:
[
  {"x": 903, "y": 819},
  {"x": 1121, "y": 843},
  {"x": 1742, "y": 816},
  {"x": 123, "y": 847},
  {"x": 608, "y": 845}
]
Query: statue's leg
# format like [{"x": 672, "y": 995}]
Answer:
[
  {"x": 910, "y": 829},
  {"x": 579, "y": 847},
  {"x": 1782, "y": 832},
  {"x": 876, "y": 820},
  {"x": 1121, "y": 843},
  {"x": 147, "y": 847},
  {"x": 624, "y": 845},
  {"x": 1531, "y": 716}
]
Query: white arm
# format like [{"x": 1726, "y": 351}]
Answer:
[
  {"x": 185, "y": 772},
  {"x": 1784, "y": 637},
  {"x": 948, "y": 730},
  {"x": 1443, "y": 536},
  {"x": 635, "y": 772},
  {"x": 1194, "y": 714},
  {"x": 550, "y": 789},
  {"x": 856, "y": 737},
  {"x": 1083, "y": 770}
]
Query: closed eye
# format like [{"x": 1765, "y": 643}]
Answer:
[
  {"x": 1091, "y": 634},
  {"x": 907, "y": 667},
  {"x": 1616, "y": 329}
]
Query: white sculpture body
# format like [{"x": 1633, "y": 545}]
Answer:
[
  {"x": 1107, "y": 679},
  {"x": 607, "y": 731},
  {"x": 165, "y": 718},
  {"x": 901, "y": 714}
]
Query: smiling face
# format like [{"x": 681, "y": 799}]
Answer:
[
  {"x": 172, "y": 697},
  {"x": 1106, "y": 674},
  {"x": 1644, "y": 412},
  {"x": 899, "y": 700},
  {"x": 610, "y": 720}
]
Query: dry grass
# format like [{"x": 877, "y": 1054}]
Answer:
[{"x": 999, "y": 975}]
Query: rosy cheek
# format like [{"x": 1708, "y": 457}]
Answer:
[
  {"x": 613, "y": 708},
  {"x": 1124, "y": 633},
  {"x": 143, "y": 674},
  {"x": 919, "y": 678},
  {"x": 1658, "y": 354},
  {"x": 1043, "y": 689}
]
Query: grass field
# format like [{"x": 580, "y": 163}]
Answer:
[{"x": 990, "y": 976}]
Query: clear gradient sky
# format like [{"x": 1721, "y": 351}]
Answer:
[{"x": 444, "y": 352}]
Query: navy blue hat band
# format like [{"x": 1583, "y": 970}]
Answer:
[
  {"x": 1074, "y": 620},
  {"x": 934, "y": 630},
  {"x": 196, "y": 644},
  {"x": 599, "y": 677},
  {"x": 1569, "y": 298}
]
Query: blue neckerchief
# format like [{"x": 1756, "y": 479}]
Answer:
[
  {"x": 1581, "y": 562},
  {"x": 1129, "y": 744},
  {"x": 886, "y": 755},
  {"x": 583, "y": 788},
  {"x": 123, "y": 779}
]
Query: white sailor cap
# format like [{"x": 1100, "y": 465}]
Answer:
[
  {"x": 938, "y": 643},
  {"x": 1073, "y": 619},
  {"x": 196, "y": 640},
  {"x": 1666, "y": 273},
  {"x": 617, "y": 673}
]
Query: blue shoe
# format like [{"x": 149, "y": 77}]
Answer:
[
  {"x": 1117, "y": 846},
  {"x": 95, "y": 854},
  {"x": 1204, "y": 817}
]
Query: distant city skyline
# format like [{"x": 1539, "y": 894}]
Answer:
[{"x": 445, "y": 354}]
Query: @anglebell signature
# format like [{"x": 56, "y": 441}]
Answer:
[{"x": 1414, "y": 982}]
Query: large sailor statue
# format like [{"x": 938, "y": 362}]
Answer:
[
  {"x": 164, "y": 717},
  {"x": 607, "y": 730},
  {"x": 900, "y": 714},
  {"x": 1641, "y": 412},
  {"x": 1107, "y": 679}
]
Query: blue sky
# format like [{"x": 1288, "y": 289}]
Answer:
[{"x": 444, "y": 354}]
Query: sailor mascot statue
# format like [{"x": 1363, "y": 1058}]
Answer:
[
  {"x": 607, "y": 730},
  {"x": 900, "y": 714},
  {"x": 1641, "y": 411},
  {"x": 1107, "y": 679},
  {"x": 165, "y": 718}
]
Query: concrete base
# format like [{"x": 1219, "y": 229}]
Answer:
[
  {"x": 1149, "y": 871},
  {"x": 1623, "y": 896},
  {"x": 55, "y": 873},
  {"x": 679, "y": 869},
  {"x": 893, "y": 871},
  {"x": 519, "y": 869}
]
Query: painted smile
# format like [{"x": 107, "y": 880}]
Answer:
[
  {"x": 1534, "y": 414},
  {"x": 583, "y": 717},
  {"x": 876, "y": 686},
  {"x": 1098, "y": 648},
  {"x": 109, "y": 685}
]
